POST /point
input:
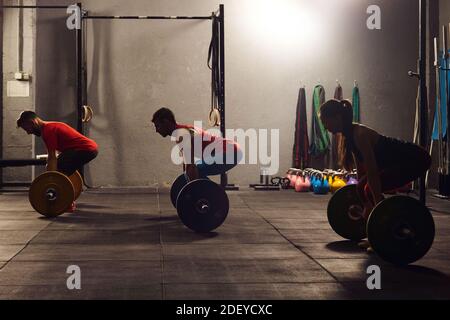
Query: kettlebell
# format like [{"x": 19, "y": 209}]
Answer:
[
  {"x": 352, "y": 181},
  {"x": 321, "y": 186},
  {"x": 288, "y": 174},
  {"x": 307, "y": 184},
  {"x": 299, "y": 183},
  {"x": 313, "y": 182},
  {"x": 302, "y": 185},
  {"x": 294, "y": 177},
  {"x": 337, "y": 184},
  {"x": 316, "y": 180}
]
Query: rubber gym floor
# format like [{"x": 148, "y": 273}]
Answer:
[{"x": 275, "y": 245}]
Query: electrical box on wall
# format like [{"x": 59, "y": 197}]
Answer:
[
  {"x": 22, "y": 76},
  {"x": 17, "y": 89}
]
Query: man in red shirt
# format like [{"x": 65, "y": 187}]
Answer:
[
  {"x": 204, "y": 154},
  {"x": 75, "y": 150}
]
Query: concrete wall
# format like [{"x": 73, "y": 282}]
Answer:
[
  {"x": 272, "y": 48},
  {"x": 56, "y": 90},
  {"x": 1, "y": 90},
  {"x": 444, "y": 12},
  {"x": 16, "y": 144}
]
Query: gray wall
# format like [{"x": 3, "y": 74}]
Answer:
[
  {"x": 137, "y": 66},
  {"x": 444, "y": 12},
  {"x": 16, "y": 144},
  {"x": 55, "y": 69}
]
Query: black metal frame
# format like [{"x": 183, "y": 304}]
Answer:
[
  {"x": 34, "y": 7},
  {"x": 423, "y": 96},
  {"x": 148, "y": 17},
  {"x": 82, "y": 98},
  {"x": 423, "y": 91},
  {"x": 80, "y": 67},
  {"x": 220, "y": 15}
]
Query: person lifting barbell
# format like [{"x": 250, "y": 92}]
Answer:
[
  {"x": 383, "y": 163},
  {"x": 75, "y": 151},
  {"x": 201, "y": 204}
]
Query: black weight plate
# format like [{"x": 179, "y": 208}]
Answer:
[
  {"x": 189, "y": 205},
  {"x": 339, "y": 218},
  {"x": 177, "y": 185},
  {"x": 386, "y": 222}
]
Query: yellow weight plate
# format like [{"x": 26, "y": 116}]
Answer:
[{"x": 51, "y": 194}]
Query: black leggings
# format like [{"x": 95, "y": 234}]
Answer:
[
  {"x": 72, "y": 160},
  {"x": 414, "y": 163}
]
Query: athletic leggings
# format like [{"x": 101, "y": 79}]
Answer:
[
  {"x": 399, "y": 163},
  {"x": 72, "y": 160}
]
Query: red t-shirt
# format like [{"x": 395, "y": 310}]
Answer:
[
  {"x": 60, "y": 137},
  {"x": 208, "y": 139}
]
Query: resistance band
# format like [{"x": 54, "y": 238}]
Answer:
[
  {"x": 301, "y": 144},
  {"x": 320, "y": 138},
  {"x": 356, "y": 105}
]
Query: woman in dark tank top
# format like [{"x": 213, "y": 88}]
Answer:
[{"x": 383, "y": 163}]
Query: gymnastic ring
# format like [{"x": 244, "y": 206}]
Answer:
[
  {"x": 88, "y": 114},
  {"x": 214, "y": 118}
]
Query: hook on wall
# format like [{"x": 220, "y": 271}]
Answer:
[{"x": 302, "y": 84}]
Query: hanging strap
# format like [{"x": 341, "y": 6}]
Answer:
[
  {"x": 320, "y": 138},
  {"x": 301, "y": 145},
  {"x": 213, "y": 65},
  {"x": 356, "y": 105},
  {"x": 444, "y": 96},
  {"x": 339, "y": 93}
]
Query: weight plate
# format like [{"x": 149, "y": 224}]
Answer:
[
  {"x": 177, "y": 185},
  {"x": 202, "y": 205},
  {"x": 62, "y": 190},
  {"x": 77, "y": 182},
  {"x": 401, "y": 230},
  {"x": 338, "y": 214}
]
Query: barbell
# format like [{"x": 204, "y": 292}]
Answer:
[
  {"x": 52, "y": 193},
  {"x": 202, "y": 205},
  {"x": 400, "y": 229}
]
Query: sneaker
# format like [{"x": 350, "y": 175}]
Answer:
[{"x": 71, "y": 208}]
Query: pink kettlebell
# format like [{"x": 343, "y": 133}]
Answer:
[{"x": 299, "y": 183}]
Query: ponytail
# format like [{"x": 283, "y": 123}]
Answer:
[{"x": 344, "y": 108}]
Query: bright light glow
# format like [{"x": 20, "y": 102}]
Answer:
[{"x": 286, "y": 23}]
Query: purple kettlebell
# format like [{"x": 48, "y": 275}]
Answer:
[{"x": 352, "y": 181}]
